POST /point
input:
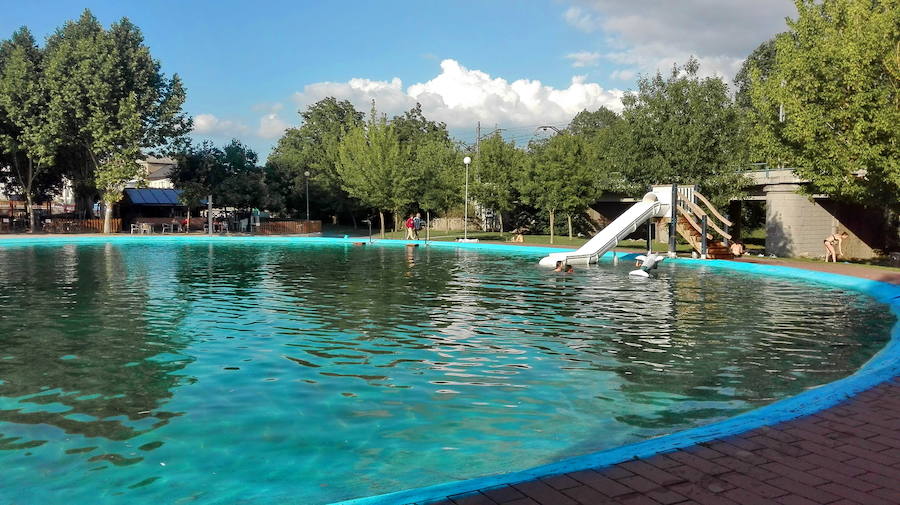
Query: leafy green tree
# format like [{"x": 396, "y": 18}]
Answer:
[
  {"x": 761, "y": 60},
  {"x": 374, "y": 168},
  {"x": 313, "y": 147},
  {"x": 198, "y": 173},
  {"x": 109, "y": 100},
  {"x": 592, "y": 122},
  {"x": 683, "y": 129},
  {"x": 606, "y": 137},
  {"x": 830, "y": 107},
  {"x": 438, "y": 165},
  {"x": 414, "y": 128},
  {"x": 496, "y": 168},
  {"x": 28, "y": 142},
  {"x": 559, "y": 178},
  {"x": 243, "y": 185},
  {"x": 420, "y": 136}
]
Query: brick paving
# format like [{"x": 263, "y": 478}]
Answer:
[{"x": 848, "y": 454}]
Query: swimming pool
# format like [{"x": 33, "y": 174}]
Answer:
[{"x": 286, "y": 371}]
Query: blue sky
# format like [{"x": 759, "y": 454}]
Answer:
[{"x": 249, "y": 66}]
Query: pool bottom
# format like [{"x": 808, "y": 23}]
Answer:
[{"x": 882, "y": 367}]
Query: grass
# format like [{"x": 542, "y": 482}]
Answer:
[
  {"x": 542, "y": 240},
  {"x": 754, "y": 240}
]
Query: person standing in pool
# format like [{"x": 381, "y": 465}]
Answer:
[{"x": 835, "y": 239}]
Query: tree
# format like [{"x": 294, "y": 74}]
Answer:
[
  {"x": 830, "y": 107},
  {"x": 313, "y": 147},
  {"x": 437, "y": 163},
  {"x": 559, "y": 178},
  {"x": 28, "y": 142},
  {"x": 243, "y": 185},
  {"x": 198, "y": 173},
  {"x": 109, "y": 100},
  {"x": 373, "y": 167},
  {"x": 761, "y": 60},
  {"x": 686, "y": 130},
  {"x": 414, "y": 128},
  {"x": 590, "y": 123},
  {"x": 497, "y": 165}
]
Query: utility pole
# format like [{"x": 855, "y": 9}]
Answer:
[{"x": 477, "y": 139}]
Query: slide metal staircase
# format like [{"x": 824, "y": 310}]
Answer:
[{"x": 702, "y": 225}]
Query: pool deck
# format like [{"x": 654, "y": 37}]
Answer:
[{"x": 847, "y": 454}]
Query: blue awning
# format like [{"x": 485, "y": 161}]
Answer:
[{"x": 154, "y": 196}]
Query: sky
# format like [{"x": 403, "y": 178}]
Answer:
[{"x": 249, "y": 67}]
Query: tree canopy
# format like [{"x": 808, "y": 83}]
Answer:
[
  {"x": 374, "y": 167},
  {"x": 88, "y": 105},
  {"x": 830, "y": 107},
  {"x": 684, "y": 129}
]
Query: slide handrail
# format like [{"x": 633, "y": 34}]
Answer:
[
  {"x": 697, "y": 210},
  {"x": 709, "y": 222},
  {"x": 690, "y": 219},
  {"x": 713, "y": 210}
]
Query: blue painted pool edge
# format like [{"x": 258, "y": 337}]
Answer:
[{"x": 880, "y": 368}]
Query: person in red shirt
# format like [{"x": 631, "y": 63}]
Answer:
[{"x": 410, "y": 227}]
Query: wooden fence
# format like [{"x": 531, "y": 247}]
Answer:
[
  {"x": 289, "y": 227},
  {"x": 66, "y": 225}
]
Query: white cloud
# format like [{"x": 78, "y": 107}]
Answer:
[
  {"x": 623, "y": 74},
  {"x": 654, "y": 34},
  {"x": 583, "y": 58},
  {"x": 267, "y": 107},
  {"x": 582, "y": 19},
  {"x": 271, "y": 126},
  {"x": 459, "y": 97},
  {"x": 208, "y": 124}
]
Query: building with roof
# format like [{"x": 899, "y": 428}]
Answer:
[
  {"x": 157, "y": 172},
  {"x": 151, "y": 205}
]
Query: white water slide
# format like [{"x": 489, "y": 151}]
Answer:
[{"x": 655, "y": 204}]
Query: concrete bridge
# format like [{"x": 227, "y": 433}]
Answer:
[{"x": 797, "y": 224}]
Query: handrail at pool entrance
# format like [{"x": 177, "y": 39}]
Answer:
[{"x": 712, "y": 209}]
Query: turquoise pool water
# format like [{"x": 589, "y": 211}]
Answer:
[{"x": 139, "y": 371}]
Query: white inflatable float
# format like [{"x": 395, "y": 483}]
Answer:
[{"x": 650, "y": 261}]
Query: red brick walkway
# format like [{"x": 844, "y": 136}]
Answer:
[{"x": 848, "y": 454}]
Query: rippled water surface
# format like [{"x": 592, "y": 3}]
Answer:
[{"x": 154, "y": 372}]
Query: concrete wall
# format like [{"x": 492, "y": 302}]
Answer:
[{"x": 797, "y": 225}]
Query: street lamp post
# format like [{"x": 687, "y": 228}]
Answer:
[
  {"x": 466, "y": 160},
  {"x": 306, "y": 174}
]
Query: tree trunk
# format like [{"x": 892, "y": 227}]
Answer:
[
  {"x": 187, "y": 224},
  {"x": 30, "y": 202},
  {"x": 569, "y": 216},
  {"x": 209, "y": 213},
  {"x": 551, "y": 226},
  {"x": 107, "y": 217},
  {"x": 353, "y": 218},
  {"x": 427, "y": 225},
  {"x": 381, "y": 217},
  {"x": 500, "y": 216}
]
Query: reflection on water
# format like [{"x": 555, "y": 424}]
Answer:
[{"x": 221, "y": 372}]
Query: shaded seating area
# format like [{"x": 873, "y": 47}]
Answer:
[{"x": 154, "y": 210}]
